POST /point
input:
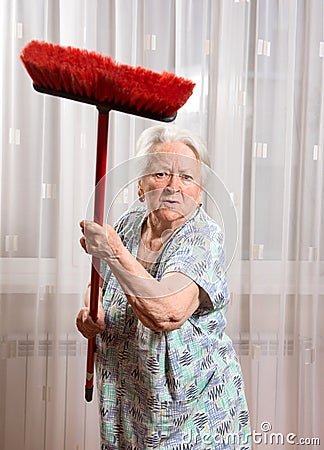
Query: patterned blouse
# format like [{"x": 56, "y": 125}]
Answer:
[{"x": 175, "y": 390}]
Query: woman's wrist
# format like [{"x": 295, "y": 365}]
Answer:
[{"x": 115, "y": 250}]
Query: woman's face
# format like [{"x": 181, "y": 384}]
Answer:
[{"x": 171, "y": 187}]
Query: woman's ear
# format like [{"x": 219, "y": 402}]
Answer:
[{"x": 140, "y": 192}]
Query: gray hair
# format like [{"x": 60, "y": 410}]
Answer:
[{"x": 159, "y": 134}]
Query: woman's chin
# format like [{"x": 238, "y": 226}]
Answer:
[{"x": 171, "y": 214}]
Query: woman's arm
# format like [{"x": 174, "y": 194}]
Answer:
[
  {"x": 160, "y": 305},
  {"x": 163, "y": 305}
]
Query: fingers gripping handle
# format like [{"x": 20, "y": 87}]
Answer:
[{"x": 99, "y": 199}]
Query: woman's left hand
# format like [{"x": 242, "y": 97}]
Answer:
[
  {"x": 100, "y": 241},
  {"x": 87, "y": 327}
]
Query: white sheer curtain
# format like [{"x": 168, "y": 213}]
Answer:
[{"x": 258, "y": 102}]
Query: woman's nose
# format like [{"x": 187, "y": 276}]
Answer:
[{"x": 174, "y": 182}]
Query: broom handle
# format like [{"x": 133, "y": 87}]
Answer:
[{"x": 99, "y": 203}]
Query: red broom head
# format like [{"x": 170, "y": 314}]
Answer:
[{"x": 93, "y": 78}]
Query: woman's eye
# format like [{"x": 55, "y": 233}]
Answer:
[
  {"x": 186, "y": 177},
  {"x": 161, "y": 174}
]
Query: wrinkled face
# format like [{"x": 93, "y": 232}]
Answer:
[{"x": 171, "y": 187}]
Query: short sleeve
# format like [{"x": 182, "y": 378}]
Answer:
[{"x": 198, "y": 253}]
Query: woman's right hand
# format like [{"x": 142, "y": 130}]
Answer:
[{"x": 87, "y": 327}]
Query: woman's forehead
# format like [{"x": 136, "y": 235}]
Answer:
[
  {"x": 174, "y": 148},
  {"x": 172, "y": 159}
]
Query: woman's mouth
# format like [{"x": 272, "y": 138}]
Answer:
[{"x": 169, "y": 202}]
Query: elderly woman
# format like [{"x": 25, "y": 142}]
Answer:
[{"x": 167, "y": 374}]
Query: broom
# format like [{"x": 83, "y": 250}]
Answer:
[{"x": 92, "y": 78}]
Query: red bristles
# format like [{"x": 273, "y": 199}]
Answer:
[{"x": 98, "y": 78}]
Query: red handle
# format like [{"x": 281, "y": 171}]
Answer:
[{"x": 99, "y": 202}]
